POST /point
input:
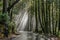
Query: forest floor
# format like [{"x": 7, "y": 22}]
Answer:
[
  {"x": 13, "y": 36},
  {"x": 10, "y": 37}
]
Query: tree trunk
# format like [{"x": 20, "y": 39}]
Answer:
[
  {"x": 12, "y": 5},
  {"x": 40, "y": 16},
  {"x": 36, "y": 30},
  {"x": 5, "y": 4}
]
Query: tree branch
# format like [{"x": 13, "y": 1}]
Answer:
[{"x": 12, "y": 5}]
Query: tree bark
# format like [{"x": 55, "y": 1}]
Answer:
[
  {"x": 39, "y": 16},
  {"x": 5, "y": 4},
  {"x": 36, "y": 30},
  {"x": 12, "y": 5}
]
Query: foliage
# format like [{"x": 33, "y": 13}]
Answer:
[
  {"x": 46, "y": 13},
  {"x": 0, "y": 3},
  {"x": 11, "y": 27},
  {"x": 4, "y": 18}
]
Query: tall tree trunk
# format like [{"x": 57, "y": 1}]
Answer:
[
  {"x": 52, "y": 18},
  {"x": 36, "y": 29},
  {"x": 46, "y": 19},
  {"x": 56, "y": 17},
  {"x": 43, "y": 15},
  {"x": 49, "y": 19},
  {"x": 39, "y": 16},
  {"x": 5, "y": 6},
  {"x": 59, "y": 18}
]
